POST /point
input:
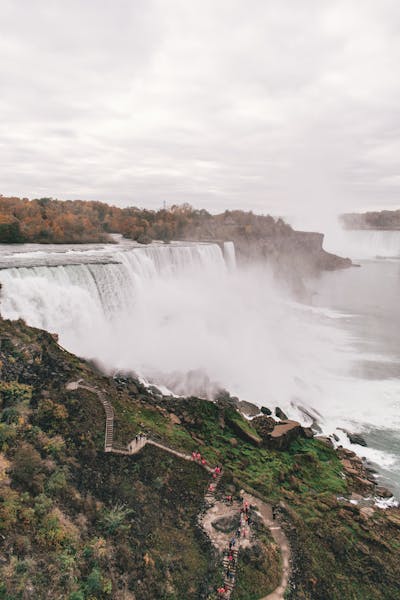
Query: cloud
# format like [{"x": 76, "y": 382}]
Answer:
[{"x": 280, "y": 107}]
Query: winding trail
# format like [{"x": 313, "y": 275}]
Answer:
[
  {"x": 265, "y": 511},
  {"x": 215, "y": 510}
]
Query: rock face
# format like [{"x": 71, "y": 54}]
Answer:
[
  {"x": 359, "y": 475},
  {"x": 292, "y": 255}
]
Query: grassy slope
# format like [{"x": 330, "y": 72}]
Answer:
[{"x": 95, "y": 525}]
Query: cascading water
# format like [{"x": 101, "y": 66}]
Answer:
[
  {"x": 363, "y": 244},
  {"x": 79, "y": 300},
  {"x": 183, "y": 316}
]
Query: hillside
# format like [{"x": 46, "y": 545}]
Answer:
[{"x": 78, "y": 523}]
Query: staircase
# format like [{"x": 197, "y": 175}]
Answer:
[{"x": 135, "y": 446}]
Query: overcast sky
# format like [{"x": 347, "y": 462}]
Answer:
[{"x": 281, "y": 106}]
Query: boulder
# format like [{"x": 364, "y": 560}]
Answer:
[
  {"x": 280, "y": 414},
  {"x": 356, "y": 438},
  {"x": 383, "y": 492},
  {"x": 325, "y": 440},
  {"x": 266, "y": 411},
  {"x": 247, "y": 408},
  {"x": 283, "y": 434},
  {"x": 308, "y": 432},
  {"x": 344, "y": 452},
  {"x": 263, "y": 425}
]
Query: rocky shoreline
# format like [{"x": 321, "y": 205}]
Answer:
[{"x": 280, "y": 434}]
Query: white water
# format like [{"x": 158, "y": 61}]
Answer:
[
  {"x": 181, "y": 315},
  {"x": 186, "y": 317}
]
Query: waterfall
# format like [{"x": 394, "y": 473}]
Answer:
[
  {"x": 230, "y": 255},
  {"x": 364, "y": 244},
  {"x": 80, "y": 300}
]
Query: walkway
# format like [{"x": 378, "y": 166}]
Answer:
[
  {"x": 265, "y": 512},
  {"x": 215, "y": 510}
]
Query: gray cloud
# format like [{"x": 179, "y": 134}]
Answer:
[{"x": 282, "y": 107}]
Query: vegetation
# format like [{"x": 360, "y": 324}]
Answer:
[
  {"x": 384, "y": 219},
  {"x": 76, "y": 523},
  {"x": 46, "y": 220}
]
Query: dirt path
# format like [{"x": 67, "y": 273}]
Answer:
[{"x": 265, "y": 511}]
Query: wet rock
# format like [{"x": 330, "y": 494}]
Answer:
[
  {"x": 356, "y": 438},
  {"x": 335, "y": 437},
  {"x": 280, "y": 414},
  {"x": 383, "y": 492},
  {"x": 247, "y": 408},
  {"x": 266, "y": 411}
]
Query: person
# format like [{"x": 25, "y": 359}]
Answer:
[
  {"x": 198, "y": 456},
  {"x": 233, "y": 542},
  {"x": 274, "y": 512},
  {"x": 211, "y": 488},
  {"x": 238, "y": 532},
  {"x": 203, "y": 461},
  {"x": 193, "y": 455}
]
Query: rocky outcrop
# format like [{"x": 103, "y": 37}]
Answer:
[
  {"x": 278, "y": 435},
  {"x": 359, "y": 475}
]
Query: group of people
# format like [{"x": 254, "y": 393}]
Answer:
[
  {"x": 241, "y": 532},
  {"x": 196, "y": 456}
]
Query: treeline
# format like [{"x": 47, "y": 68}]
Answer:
[
  {"x": 45, "y": 220},
  {"x": 384, "y": 219}
]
